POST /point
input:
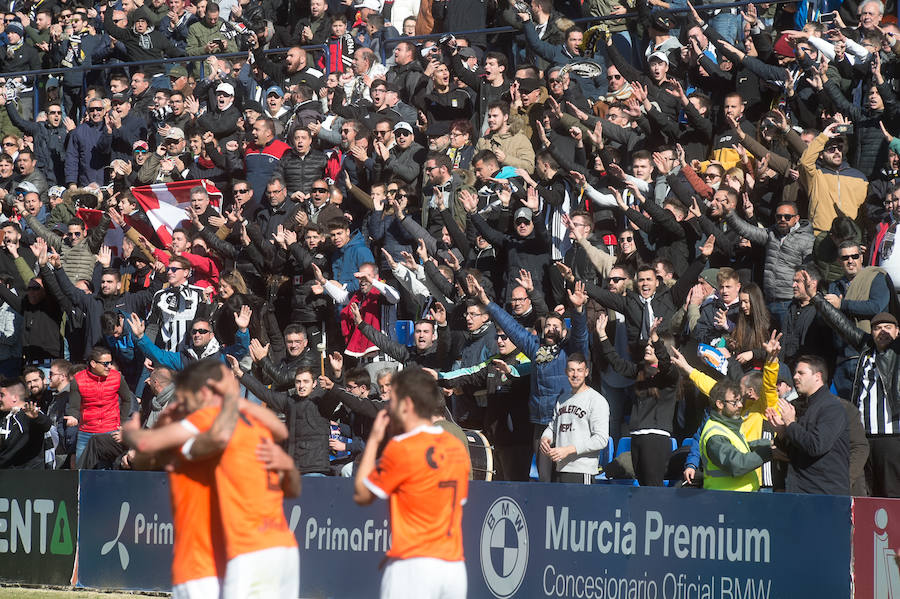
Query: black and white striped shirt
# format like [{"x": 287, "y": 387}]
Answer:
[
  {"x": 174, "y": 309},
  {"x": 873, "y": 402}
]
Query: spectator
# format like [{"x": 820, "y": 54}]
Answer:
[{"x": 24, "y": 426}]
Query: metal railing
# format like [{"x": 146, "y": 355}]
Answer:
[{"x": 324, "y": 47}]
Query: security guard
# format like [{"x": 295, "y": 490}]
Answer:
[{"x": 729, "y": 460}]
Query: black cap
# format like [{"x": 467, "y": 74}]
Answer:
[
  {"x": 528, "y": 85},
  {"x": 661, "y": 22},
  {"x": 120, "y": 97},
  {"x": 254, "y": 106},
  {"x": 438, "y": 128}
]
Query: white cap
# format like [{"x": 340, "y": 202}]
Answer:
[
  {"x": 370, "y": 4},
  {"x": 227, "y": 88},
  {"x": 659, "y": 56},
  {"x": 403, "y": 125},
  {"x": 175, "y": 133}
]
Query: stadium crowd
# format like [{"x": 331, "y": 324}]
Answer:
[{"x": 667, "y": 228}]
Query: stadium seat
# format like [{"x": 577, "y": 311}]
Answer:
[
  {"x": 606, "y": 456},
  {"x": 404, "y": 330},
  {"x": 623, "y": 445}
]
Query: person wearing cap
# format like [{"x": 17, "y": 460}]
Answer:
[
  {"x": 168, "y": 162},
  {"x": 124, "y": 126},
  {"x": 276, "y": 110},
  {"x": 141, "y": 40},
  {"x": 832, "y": 184},
  {"x": 404, "y": 159},
  {"x": 61, "y": 210},
  {"x": 875, "y": 390},
  {"x": 656, "y": 81},
  {"x": 18, "y": 56},
  {"x": 222, "y": 118}
]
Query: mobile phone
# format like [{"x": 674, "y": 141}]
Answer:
[
  {"x": 827, "y": 17},
  {"x": 844, "y": 129}
]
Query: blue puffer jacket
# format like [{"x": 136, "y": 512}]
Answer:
[
  {"x": 548, "y": 379},
  {"x": 345, "y": 261}
]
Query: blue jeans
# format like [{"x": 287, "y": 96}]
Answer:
[
  {"x": 728, "y": 25},
  {"x": 778, "y": 310},
  {"x": 81, "y": 445}
]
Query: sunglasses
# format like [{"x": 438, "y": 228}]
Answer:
[
  {"x": 199, "y": 331},
  {"x": 96, "y": 109},
  {"x": 140, "y": 151},
  {"x": 831, "y": 149},
  {"x": 850, "y": 257},
  {"x": 402, "y": 132},
  {"x": 320, "y": 190},
  {"x": 241, "y": 191},
  {"x": 105, "y": 363},
  {"x": 502, "y": 337},
  {"x": 711, "y": 176},
  {"x": 613, "y": 77},
  {"x": 617, "y": 279},
  {"x": 174, "y": 268},
  {"x": 784, "y": 216}
]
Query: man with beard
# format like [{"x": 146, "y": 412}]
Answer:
[
  {"x": 49, "y": 139},
  {"x": 549, "y": 353},
  {"x": 425, "y": 473},
  {"x": 299, "y": 354}
]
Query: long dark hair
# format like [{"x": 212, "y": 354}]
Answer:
[{"x": 753, "y": 330}]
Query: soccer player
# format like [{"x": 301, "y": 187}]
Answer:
[
  {"x": 425, "y": 473},
  {"x": 232, "y": 460}
]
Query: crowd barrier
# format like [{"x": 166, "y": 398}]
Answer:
[{"x": 113, "y": 530}]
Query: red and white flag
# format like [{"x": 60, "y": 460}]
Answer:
[
  {"x": 114, "y": 234},
  {"x": 166, "y": 204}
]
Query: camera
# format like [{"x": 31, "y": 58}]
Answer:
[
  {"x": 846, "y": 129},
  {"x": 520, "y": 6}
]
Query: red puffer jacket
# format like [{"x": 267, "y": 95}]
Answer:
[{"x": 99, "y": 401}]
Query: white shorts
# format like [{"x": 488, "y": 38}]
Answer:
[
  {"x": 424, "y": 578},
  {"x": 199, "y": 588},
  {"x": 267, "y": 574}
]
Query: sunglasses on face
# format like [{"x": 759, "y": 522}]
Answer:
[
  {"x": 320, "y": 190},
  {"x": 402, "y": 133},
  {"x": 241, "y": 191},
  {"x": 105, "y": 363},
  {"x": 613, "y": 77},
  {"x": 616, "y": 279},
  {"x": 712, "y": 176},
  {"x": 783, "y": 216},
  {"x": 199, "y": 331},
  {"x": 96, "y": 109},
  {"x": 847, "y": 257},
  {"x": 502, "y": 337},
  {"x": 174, "y": 268}
]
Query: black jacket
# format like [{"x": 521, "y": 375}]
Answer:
[
  {"x": 531, "y": 253},
  {"x": 150, "y": 46},
  {"x": 308, "y": 422},
  {"x": 818, "y": 445},
  {"x": 437, "y": 356},
  {"x": 40, "y": 325},
  {"x": 281, "y": 375},
  {"x": 665, "y": 303},
  {"x": 22, "y": 440},
  {"x": 300, "y": 173}
]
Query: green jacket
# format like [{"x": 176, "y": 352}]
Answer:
[
  {"x": 726, "y": 456},
  {"x": 200, "y": 34}
]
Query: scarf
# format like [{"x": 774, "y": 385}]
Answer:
[
  {"x": 546, "y": 354},
  {"x": 211, "y": 348},
  {"x": 204, "y": 162},
  {"x": 11, "y": 49},
  {"x": 370, "y": 308},
  {"x": 619, "y": 96}
]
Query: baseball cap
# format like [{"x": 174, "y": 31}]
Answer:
[
  {"x": 275, "y": 90},
  {"x": 58, "y": 190},
  {"x": 370, "y": 4},
  {"x": 27, "y": 187},
  {"x": 140, "y": 145},
  {"x": 529, "y": 84},
  {"x": 658, "y": 56},
  {"x": 178, "y": 71},
  {"x": 175, "y": 133},
  {"x": 404, "y": 126},
  {"x": 523, "y": 213},
  {"x": 119, "y": 98},
  {"x": 226, "y": 88},
  {"x": 884, "y": 317},
  {"x": 467, "y": 52},
  {"x": 438, "y": 128},
  {"x": 709, "y": 275}
]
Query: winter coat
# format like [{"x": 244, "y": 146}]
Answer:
[
  {"x": 783, "y": 253},
  {"x": 409, "y": 79},
  {"x": 308, "y": 422},
  {"x": 281, "y": 376},
  {"x": 548, "y": 368},
  {"x": 518, "y": 149},
  {"x": 830, "y": 189},
  {"x": 84, "y": 160},
  {"x": 49, "y": 145},
  {"x": 152, "y": 45},
  {"x": 22, "y": 440},
  {"x": 299, "y": 173},
  {"x": 345, "y": 261},
  {"x": 260, "y": 165},
  {"x": 78, "y": 259}
]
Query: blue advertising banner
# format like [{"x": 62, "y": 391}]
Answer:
[
  {"x": 125, "y": 531},
  {"x": 608, "y": 542},
  {"x": 521, "y": 540}
]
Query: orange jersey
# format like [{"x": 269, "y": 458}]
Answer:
[
  {"x": 425, "y": 473},
  {"x": 199, "y": 550},
  {"x": 250, "y": 497}
]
